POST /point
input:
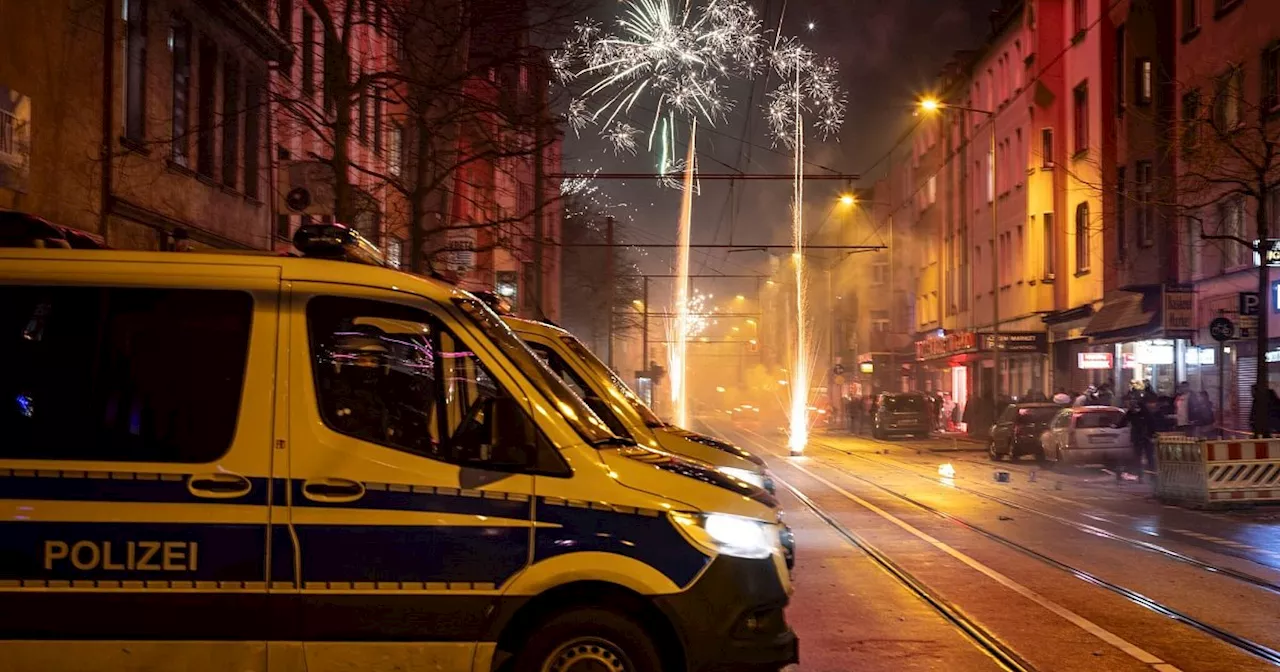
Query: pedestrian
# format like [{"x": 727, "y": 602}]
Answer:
[
  {"x": 1182, "y": 408},
  {"x": 1202, "y": 416},
  {"x": 1143, "y": 424},
  {"x": 856, "y": 410},
  {"x": 1061, "y": 397},
  {"x": 1086, "y": 397},
  {"x": 1105, "y": 396}
]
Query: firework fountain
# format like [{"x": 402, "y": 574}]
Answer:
[
  {"x": 807, "y": 84},
  {"x": 675, "y": 57},
  {"x": 680, "y": 348}
]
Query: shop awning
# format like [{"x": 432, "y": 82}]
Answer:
[{"x": 1124, "y": 315}]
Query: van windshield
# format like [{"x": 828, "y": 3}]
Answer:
[
  {"x": 575, "y": 411},
  {"x": 598, "y": 367}
]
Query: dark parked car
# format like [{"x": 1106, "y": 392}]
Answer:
[
  {"x": 1017, "y": 431},
  {"x": 902, "y": 414}
]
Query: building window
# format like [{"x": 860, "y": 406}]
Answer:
[
  {"x": 362, "y": 115},
  {"x": 1227, "y": 100},
  {"x": 308, "y": 54},
  {"x": 991, "y": 173},
  {"x": 254, "y": 87},
  {"x": 207, "y": 112},
  {"x": 1082, "y": 238},
  {"x": 1122, "y": 210},
  {"x": 1146, "y": 85},
  {"x": 395, "y": 150},
  {"x": 378, "y": 130},
  {"x": 1190, "y": 120},
  {"x": 931, "y": 190},
  {"x": 1191, "y": 253},
  {"x": 135, "y": 78},
  {"x": 879, "y": 273},
  {"x": 284, "y": 17},
  {"x": 1080, "y": 117},
  {"x": 1271, "y": 78},
  {"x": 1144, "y": 184},
  {"x": 1190, "y": 15},
  {"x": 1050, "y": 247},
  {"x": 180, "y": 43},
  {"x": 1231, "y": 223},
  {"x": 230, "y": 122},
  {"x": 1079, "y": 16},
  {"x": 1046, "y": 148},
  {"x": 283, "y": 221},
  {"x": 1019, "y": 167},
  {"x": 102, "y": 373},
  {"x": 395, "y": 252},
  {"x": 1120, "y": 66}
]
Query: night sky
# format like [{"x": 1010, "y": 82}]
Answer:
[{"x": 889, "y": 52}]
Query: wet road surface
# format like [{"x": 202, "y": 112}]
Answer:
[{"x": 900, "y": 567}]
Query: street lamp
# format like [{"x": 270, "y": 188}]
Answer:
[
  {"x": 848, "y": 200},
  {"x": 933, "y": 106}
]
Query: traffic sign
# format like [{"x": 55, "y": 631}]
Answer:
[
  {"x": 1250, "y": 304},
  {"x": 1222, "y": 329}
]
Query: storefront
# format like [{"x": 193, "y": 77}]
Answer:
[
  {"x": 962, "y": 363},
  {"x": 1143, "y": 338}
]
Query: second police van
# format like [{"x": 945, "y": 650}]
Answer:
[
  {"x": 238, "y": 462},
  {"x": 626, "y": 415}
]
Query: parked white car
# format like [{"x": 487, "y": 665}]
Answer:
[{"x": 1088, "y": 435}]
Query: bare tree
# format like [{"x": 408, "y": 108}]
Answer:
[
  {"x": 463, "y": 85},
  {"x": 1230, "y": 170}
]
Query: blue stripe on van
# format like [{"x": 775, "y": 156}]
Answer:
[
  {"x": 122, "y": 487},
  {"x": 652, "y": 540},
  {"x": 395, "y": 553}
]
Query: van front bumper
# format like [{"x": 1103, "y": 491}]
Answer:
[{"x": 732, "y": 618}]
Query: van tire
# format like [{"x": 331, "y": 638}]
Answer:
[{"x": 591, "y": 634}]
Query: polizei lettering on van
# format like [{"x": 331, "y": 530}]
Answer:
[{"x": 143, "y": 556}]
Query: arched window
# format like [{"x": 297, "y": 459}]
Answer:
[{"x": 1082, "y": 238}]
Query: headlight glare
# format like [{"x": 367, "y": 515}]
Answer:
[
  {"x": 739, "y": 537},
  {"x": 745, "y": 475}
]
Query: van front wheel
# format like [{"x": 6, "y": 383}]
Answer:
[{"x": 589, "y": 640}]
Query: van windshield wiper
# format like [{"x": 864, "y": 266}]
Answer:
[{"x": 618, "y": 441}]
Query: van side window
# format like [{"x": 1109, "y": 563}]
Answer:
[
  {"x": 121, "y": 374},
  {"x": 393, "y": 375}
]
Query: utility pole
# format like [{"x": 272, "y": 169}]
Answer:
[
  {"x": 610, "y": 276},
  {"x": 1262, "y": 396},
  {"x": 539, "y": 195},
  {"x": 644, "y": 324}
]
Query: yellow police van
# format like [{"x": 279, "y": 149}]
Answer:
[{"x": 251, "y": 462}]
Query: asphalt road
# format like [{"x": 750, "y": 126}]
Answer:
[{"x": 902, "y": 568}]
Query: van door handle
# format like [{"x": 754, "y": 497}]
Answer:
[
  {"x": 333, "y": 490},
  {"x": 219, "y": 486}
]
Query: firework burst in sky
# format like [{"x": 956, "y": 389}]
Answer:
[
  {"x": 669, "y": 61},
  {"x": 809, "y": 86}
]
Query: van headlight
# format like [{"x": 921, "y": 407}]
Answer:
[
  {"x": 745, "y": 475},
  {"x": 731, "y": 535}
]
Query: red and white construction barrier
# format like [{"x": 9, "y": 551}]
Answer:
[{"x": 1208, "y": 472}]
